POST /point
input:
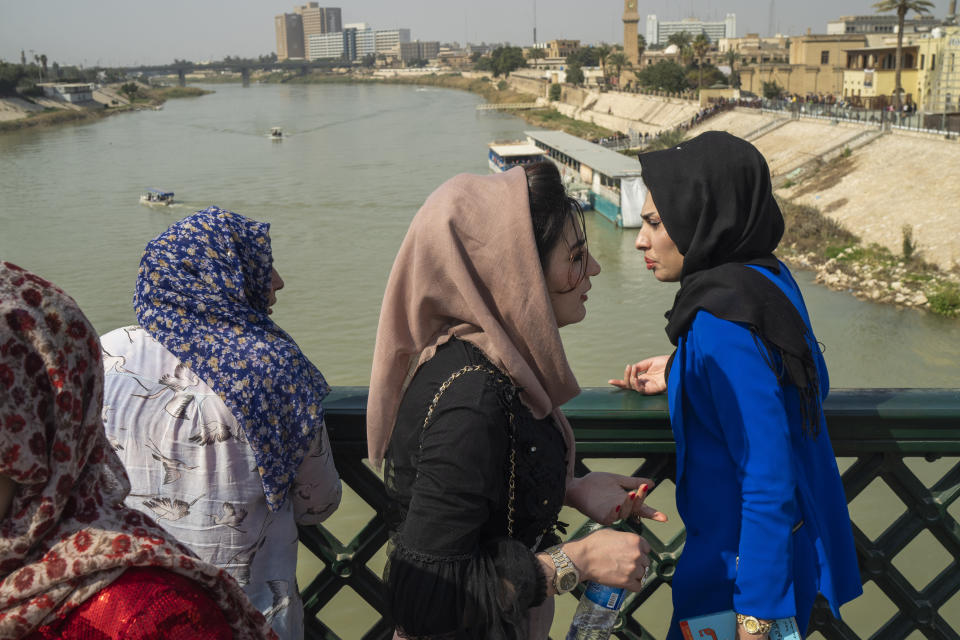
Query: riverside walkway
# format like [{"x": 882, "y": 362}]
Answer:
[{"x": 898, "y": 451}]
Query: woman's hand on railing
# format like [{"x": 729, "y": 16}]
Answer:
[
  {"x": 608, "y": 497},
  {"x": 646, "y": 377}
]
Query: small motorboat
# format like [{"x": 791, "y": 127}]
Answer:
[
  {"x": 157, "y": 198},
  {"x": 276, "y": 133}
]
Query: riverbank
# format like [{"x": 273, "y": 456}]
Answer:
[
  {"x": 868, "y": 271},
  {"x": 490, "y": 89},
  {"x": 23, "y": 112}
]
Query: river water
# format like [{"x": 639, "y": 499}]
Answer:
[{"x": 339, "y": 190}]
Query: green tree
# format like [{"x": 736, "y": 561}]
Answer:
[
  {"x": 130, "y": 89},
  {"x": 618, "y": 61},
  {"x": 368, "y": 60},
  {"x": 666, "y": 75},
  {"x": 574, "y": 74},
  {"x": 10, "y": 77},
  {"x": 556, "y": 92},
  {"x": 603, "y": 50},
  {"x": 708, "y": 75},
  {"x": 536, "y": 54},
  {"x": 584, "y": 57},
  {"x": 483, "y": 63},
  {"x": 901, "y": 7},
  {"x": 731, "y": 57},
  {"x": 641, "y": 46},
  {"x": 506, "y": 59},
  {"x": 700, "y": 46},
  {"x": 772, "y": 90}
]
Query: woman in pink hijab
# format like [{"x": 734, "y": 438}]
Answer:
[
  {"x": 468, "y": 376},
  {"x": 75, "y": 562}
]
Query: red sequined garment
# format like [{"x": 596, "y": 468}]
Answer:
[{"x": 143, "y": 604}]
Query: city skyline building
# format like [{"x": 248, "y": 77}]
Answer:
[
  {"x": 290, "y": 40},
  {"x": 659, "y": 31},
  {"x": 880, "y": 24},
  {"x": 417, "y": 50},
  {"x": 318, "y": 20},
  {"x": 388, "y": 40}
]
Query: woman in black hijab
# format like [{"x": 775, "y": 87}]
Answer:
[{"x": 757, "y": 483}]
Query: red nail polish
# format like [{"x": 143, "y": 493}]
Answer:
[
  {"x": 643, "y": 488},
  {"x": 617, "y": 510}
]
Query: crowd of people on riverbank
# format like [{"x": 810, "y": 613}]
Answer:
[{"x": 152, "y": 479}]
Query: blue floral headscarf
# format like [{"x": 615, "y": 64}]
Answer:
[{"x": 202, "y": 292}]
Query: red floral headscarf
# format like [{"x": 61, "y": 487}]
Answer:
[{"x": 67, "y": 534}]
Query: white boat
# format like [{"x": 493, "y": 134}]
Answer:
[
  {"x": 503, "y": 156},
  {"x": 276, "y": 133},
  {"x": 157, "y": 198}
]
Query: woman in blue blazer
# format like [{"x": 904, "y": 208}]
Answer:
[{"x": 757, "y": 482}]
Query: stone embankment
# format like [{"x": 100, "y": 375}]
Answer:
[{"x": 878, "y": 185}]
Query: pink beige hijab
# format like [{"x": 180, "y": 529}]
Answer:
[
  {"x": 67, "y": 534},
  {"x": 468, "y": 268}
]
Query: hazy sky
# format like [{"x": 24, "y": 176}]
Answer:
[{"x": 122, "y": 32}]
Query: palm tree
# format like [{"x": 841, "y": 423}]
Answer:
[
  {"x": 618, "y": 60},
  {"x": 700, "y": 46},
  {"x": 901, "y": 7},
  {"x": 681, "y": 39},
  {"x": 603, "y": 50},
  {"x": 641, "y": 47},
  {"x": 731, "y": 57}
]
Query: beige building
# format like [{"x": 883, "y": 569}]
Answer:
[
  {"x": 317, "y": 20},
  {"x": 930, "y": 76},
  {"x": 417, "y": 50},
  {"x": 815, "y": 67},
  {"x": 753, "y": 49},
  {"x": 631, "y": 20},
  {"x": 290, "y": 39}
]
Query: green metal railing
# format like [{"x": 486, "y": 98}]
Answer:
[{"x": 879, "y": 430}]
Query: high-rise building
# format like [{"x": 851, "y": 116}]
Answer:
[
  {"x": 658, "y": 32},
  {"x": 290, "y": 41},
  {"x": 318, "y": 20},
  {"x": 419, "y": 50},
  {"x": 879, "y": 24},
  {"x": 388, "y": 40}
]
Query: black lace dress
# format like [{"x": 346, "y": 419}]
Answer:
[{"x": 475, "y": 493}]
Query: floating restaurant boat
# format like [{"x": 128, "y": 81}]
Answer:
[
  {"x": 507, "y": 155},
  {"x": 157, "y": 198},
  {"x": 611, "y": 179}
]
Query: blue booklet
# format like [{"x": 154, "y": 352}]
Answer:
[{"x": 723, "y": 626}]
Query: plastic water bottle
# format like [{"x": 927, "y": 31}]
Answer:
[{"x": 596, "y": 613}]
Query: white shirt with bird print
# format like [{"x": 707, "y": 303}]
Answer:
[{"x": 192, "y": 470}]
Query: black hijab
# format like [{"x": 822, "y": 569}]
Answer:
[{"x": 716, "y": 203}]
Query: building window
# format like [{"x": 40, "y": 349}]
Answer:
[
  {"x": 933, "y": 61},
  {"x": 923, "y": 60},
  {"x": 824, "y": 57}
]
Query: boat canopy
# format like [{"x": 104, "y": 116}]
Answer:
[
  {"x": 511, "y": 150},
  {"x": 600, "y": 159},
  {"x": 161, "y": 192}
]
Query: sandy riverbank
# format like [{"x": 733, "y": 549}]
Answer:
[{"x": 22, "y": 112}]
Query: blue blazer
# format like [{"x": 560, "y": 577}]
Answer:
[{"x": 762, "y": 501}]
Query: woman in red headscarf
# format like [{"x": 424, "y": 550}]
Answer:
[{"x": 74, "y": 561}]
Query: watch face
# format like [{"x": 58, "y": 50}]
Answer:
[
  {"x": 751, "y": 625},
  {"x": 568, "y": 581}
]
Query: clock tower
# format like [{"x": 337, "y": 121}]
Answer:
[{"x": 630, "y": 20}]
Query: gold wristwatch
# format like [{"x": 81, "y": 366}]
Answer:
[
  {"x": 567, "y": 576},
  {"x": 753, "y": 626}
]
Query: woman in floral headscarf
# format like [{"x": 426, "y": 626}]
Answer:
[
  {"x": 74, "y": 560},
  {"x": 216, "y": 412}
]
